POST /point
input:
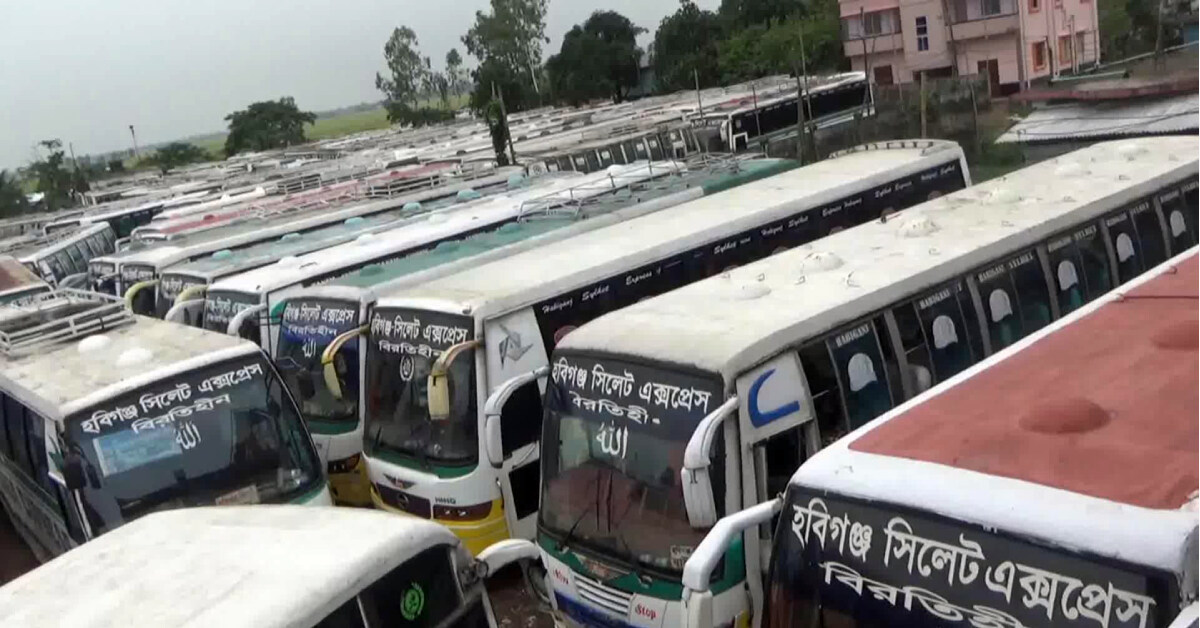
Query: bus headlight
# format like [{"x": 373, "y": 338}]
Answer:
[
  {"x": 474, "y": 512},
  {"x": 345, "y": 465}
]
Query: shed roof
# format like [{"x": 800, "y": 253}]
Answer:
[{"x": 1107, "y": 119}]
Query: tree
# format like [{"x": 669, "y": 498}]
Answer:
[
  {"x": 12, "y": 197},
  {"x": 266, "y": 125},
  {"x": 53, "y": 180},
  {"x": 739, "y": 14},
  {"x": 510, "y": 38},
  {"x": 454, "y": 70},
  {"x": 406, "y": 67},
  {"x": 176, "y": 154},
  {"x": 599, "y": 59},
  {"x": 762, "y": 50},
  {"x": 686, "y": 43}
]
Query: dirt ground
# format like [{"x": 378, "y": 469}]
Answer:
[{"x": 15, "y": 557}]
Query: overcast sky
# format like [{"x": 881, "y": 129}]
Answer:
[{"x": 83, "y": 71}]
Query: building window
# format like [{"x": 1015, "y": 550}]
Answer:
[
  {"x": 1081, "y": 45},
  {"x": 883, "y": 75},
  {"x": 1039, "y": 54},
  {"x": 1064, "y": 50},
  {"x": 990, "y": 7},
  {"x": 871, "y": 24},
  {"x": 922, "y": 34},
  {"x": 1035, "y": 6}
]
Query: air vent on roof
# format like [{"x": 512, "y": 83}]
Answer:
[
  {"x": 1180, "y": 336},
  {"x": 60, "y": 315},
  {"x": 1070, "y": 169},
  {"x": 1074, "y": 415},
  {"x": 435, "y": 218},
  {"x": 821, "y": 261},
  {"x": 917, "y": 226},
  {"x": 289, "y": 261},
  {"x": 134, "y": 357},
  {"x": 1130, "y": 151},
  {"x": 91, "y": 344}
]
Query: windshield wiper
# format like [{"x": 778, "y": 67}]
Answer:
[
  {"x": 628, "y": 556},
  {"x": 596, "y": 502}
]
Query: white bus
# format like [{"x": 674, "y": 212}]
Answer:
[
  {"x": 262, "y": 567},
  {"x": 105, "y": 417},
  {"x": 702, "y": 402},
  {"x": 423, "y": 444},
  {"x": 18, "y": 282},
  {"x": 244, "y": 296},
  {"x": 316, "y": 318},
  {"x": 1053, "y": 484},
  {"x": 62, "y": 257}
]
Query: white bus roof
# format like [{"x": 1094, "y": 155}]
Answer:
[
  {"x": 60, "y": 378},
  {"x": 57, "y": 241},
  {"x": 730, "y": 322},
  {"x": 440, "y": 225},
  {"x": 1082, "y": 436},
  {"x": 15, "y": 277},
  {"x": 228, "y": 566},
  {"x": 550, "y": 269}
]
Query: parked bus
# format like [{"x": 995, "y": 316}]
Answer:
[
  {"x": 316, "y": 318},
  {"x": 123, "y": 220},
  {"x": 119, "y": 273},
  {"x": 422, "y": 445},
  {"x": 18, "y": 282},
  {"x": 1052, "y": 484},
  {"x": 262, "y": 290},
  {"x": 105, "y": 417},
  {"x": 239, "y": 566},
  {"x": 665, "y": 415},
  {"x": 62, "y": 257}
]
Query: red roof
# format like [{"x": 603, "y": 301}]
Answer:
[{"x": 1106, "y": 406}]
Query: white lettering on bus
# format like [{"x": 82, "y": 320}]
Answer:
[
  {"x": 595, "y": 292},
  {"x": 933, "y": 299},
  {"x": 632, "y": 279},
  {"x": 1021, "y": 261},
  {"x": 852, "y": 335}
]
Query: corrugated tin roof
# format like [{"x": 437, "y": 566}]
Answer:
[{"x": 1107, "y": 119}]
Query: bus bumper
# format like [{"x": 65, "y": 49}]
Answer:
[
  {"x": 476, "y": 535},
  {"x": 349, "y": 483}
]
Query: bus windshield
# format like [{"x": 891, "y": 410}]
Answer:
[
  {"x": 221, "y": 306},
  {"x": 840, "y": 561},
  {"x": 227, "y": 433},
  {"x": 169, "y": 287},
  {"x": 404, "y": 343},
  {"x": 613, "y": 446},
  {"x": 307, "y": 328}
]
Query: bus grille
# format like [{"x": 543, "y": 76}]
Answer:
[{"x": 604, "y": 596}]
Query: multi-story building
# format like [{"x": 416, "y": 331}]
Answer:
[{"x": 1012, "y": 42}]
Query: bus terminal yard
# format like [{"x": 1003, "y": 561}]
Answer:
[{"x": 643, "y": 377}]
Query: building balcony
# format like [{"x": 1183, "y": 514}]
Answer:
[
  {"x": 877, "y": 44},
  {"x": 973, "y": 19}
]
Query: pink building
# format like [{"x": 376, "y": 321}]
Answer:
[{"x": 1011, "y": 41}]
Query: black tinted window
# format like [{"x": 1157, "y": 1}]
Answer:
[
  {"x": 1124, "y": 241},
  {"x": 420, "y": 592},
  {"x": 1150, "y": 234},
  {"x": 862, "y": 375}
]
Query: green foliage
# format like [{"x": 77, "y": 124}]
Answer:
[
  {"x": 685, "y": 47},
  {"x": 454, "y": 72},
  {"x": 1119, "y": 38},
  {"x": 597, "y": 60},
  {"x": 493, "y": 115},
  {"x": 739, "y": 14},
  {"x": 508, "y": 43},
  {"x": 53, "y": 179},
  {"x": 401, "y": 113},
  {"x": 762, "y": 50},
  {"x": 405, "y": 65},
  {"x": 266, "y": 125},
  {"x": 174, "y": 155},
  {"x": 12, "y": 197}
]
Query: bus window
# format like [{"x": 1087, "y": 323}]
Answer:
[
  {"x": 1079, "y": 266},
  {"x": 1190, "y": 210},
  {"x": 14, "y": 420},
  {"x": 1181, "y": 234},
  {"x": 784, "y": 453},
  {"x": 822, "y": 385},
  {"x": 1124, "y": 242},
  {"x": 420, "y": 592},
  {"x": 947, "y": 332},
  {"x": 346, "y": 616},
  {"x": 1014, "y": 298},
  {"x": 1032, "y": 295},
  {"x": 123, "y": 226},
  {"x": 35, "y": 431},
  {"x": 1150, "y": 234},
  {"x": 920, "y": 374},
  {"x": 85, "y": 254},
  {"x": 75, "y": 258},
  {"x": 862, "y": 374},
  {"x": 5, "y": 445}
]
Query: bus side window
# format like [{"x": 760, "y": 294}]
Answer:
[
  {"x": 1033, "y": 294},
  {"x": 1150, "y": 234},
  {"x": 35, "y": 432},
  {"x": 784, "y": 453},
  {"x": 1123, "y": 240},
  {"x": 5, "y": 445},
  {"x": 520, "y": 425},
  {"x": 822, "y": 385},
  {"x": 345, "y": 616},
  {"x": 920, "y": 375},
  {"x": 14, "y": 418},
  {"x": 861, "y": 372},
  {"x": 1180, "y": 221},
  {"x": 1191, "y": 212}
]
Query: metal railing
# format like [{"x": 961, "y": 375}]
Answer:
[{"x": 52, "y": 317}]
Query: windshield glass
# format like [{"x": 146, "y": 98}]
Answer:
[
  {"x": 403, "y": 345},
  {"x": 839, "y": 561},
  {"x": 169, "y": 287},
  {"x": 613, "y": 447},
  {"x": 103, "y": 276},
  {"x": 221, "y": 307},
  {"x": 307, "y": 328},
  {"x": 227, "y": 433},
  {"x": 133, "y": 273}
]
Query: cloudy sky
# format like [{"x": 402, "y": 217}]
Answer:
[{"x": 83, "y": 71}]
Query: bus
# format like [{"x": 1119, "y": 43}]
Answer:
[
  {"x": 106, "y": 416},
  {"x": 661, "y": 417},
  {"x": 238, "y": 566},
  {"x": 315, "y": 319},
  {"x": 188, "y": 282},
  {"x": 18, "y": 282},
  {"x": 62, "y": 257},
  {"x": 422, "y": 443},
  {"x": 1052, "y": 484},
  {"x": 237, "y": 301},
  {"x": 141, "y": 265},
  {"x": 123, "y": 219}
]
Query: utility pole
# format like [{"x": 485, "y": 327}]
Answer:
[
  {"x": 699, "y": 103},
  {"x": 1158, "y": 36},
  {"x": 924, "y": 133},
  {"x": 135, "y": 146},
  {"x": 862, "y": 25},
  {"x": 808, "y": 96},
  {"x": 757, "y": 124},
  {"x": 799, "y": 117},
  {"x": 499, "y": 95},
  {"x": 950, "y": 29}
]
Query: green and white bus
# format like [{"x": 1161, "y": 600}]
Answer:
[
  {"x": 437, "y": 353},
  {"x": 666, "y": 415},
  {"x": 105, "y": 417}
]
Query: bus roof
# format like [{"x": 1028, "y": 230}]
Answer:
[
  {"x": 52, "y": 243},
  {"x": 226, "y": 566},
  {"x": 440, "y": 225},
  {"x": 508, "y": 282},
  {"x": 130, "y": 355},
  {"x": 14, "y": 276},
  {"x": 745, "y": 316},
  {"x": 1091, "y": 423}
]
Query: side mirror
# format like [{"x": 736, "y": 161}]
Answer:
[
  {"x": 138, "y": 300},
  {"x": 183, "y": 312},
  {"x": 697, "y": 482},
  {"x": 328, "y": 369},
  {"x": 439, "y": 380},
  {"x": 494, "y": 408},
  {"x": 235, "y": 323},
  {"x": 72, "y": 471}
]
